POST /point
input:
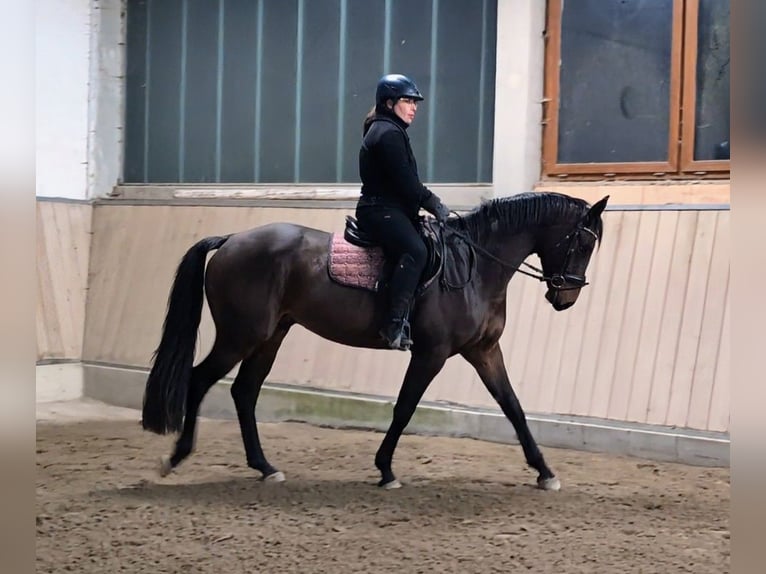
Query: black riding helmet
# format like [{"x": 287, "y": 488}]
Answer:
[{"x": 393, "y": 87}]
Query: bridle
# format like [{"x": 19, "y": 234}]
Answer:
[
  {"x": 562, "y": 281},
  {"x": 559, "y": 281}
]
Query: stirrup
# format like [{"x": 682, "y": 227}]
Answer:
[{"x": 397, "y": 334}]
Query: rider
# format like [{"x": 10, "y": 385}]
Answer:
[{"x": 391, "y": 196}]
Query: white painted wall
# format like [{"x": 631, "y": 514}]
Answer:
[
  {"x": 62, "y": 45},
  {"x": 78, "y": 101},
  {"x": 518, "y": 95}
]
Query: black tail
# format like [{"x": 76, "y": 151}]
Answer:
[{"x": 168, "y": 382}]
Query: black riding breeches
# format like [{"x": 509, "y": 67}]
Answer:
[{"x": 402, "y": 244}]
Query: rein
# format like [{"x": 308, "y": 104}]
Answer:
[{"x": 557, "y": 281}]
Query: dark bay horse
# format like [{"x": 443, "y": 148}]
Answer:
[{"x": 261, "y": 282}]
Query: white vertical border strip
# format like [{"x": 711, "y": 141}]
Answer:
[
  {"x": 106, "y": 96},
  {"x": 520, "y": 73}
]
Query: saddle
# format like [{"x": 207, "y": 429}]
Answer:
[{"x": 356, "y": 259}]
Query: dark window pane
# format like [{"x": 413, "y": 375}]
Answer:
[
  {"x": 164, "y": 79},
  {"x": 485, "y": 99},
  {"x": 275, "y": 91},
  {"x": 711, "y": 129},
  {"x": 277, "y": 121},
  {"x": 410, "y": 54},
  {"x": 319, "y": 97},
  {"x": 751, "y": 100},
  {"x": 238, "y": 94},
  {"x": 201, "y": 91},
  {"x": 364, "y": 65},
  {"x": 461, "y": 104},
  {"x": 615, "y": 81},
  {"x": 135, "y": 92}
]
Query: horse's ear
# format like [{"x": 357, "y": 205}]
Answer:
[{"x": 597, "y": 208}]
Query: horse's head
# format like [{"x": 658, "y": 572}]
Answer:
[{"x": 565, "y": 255}]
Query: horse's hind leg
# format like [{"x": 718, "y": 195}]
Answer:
[
  {"x": 245, "y": 390},
  {"x": 421, "y": 371},
  {"x": 219, "y": 361}
]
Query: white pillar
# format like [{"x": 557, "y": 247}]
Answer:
[
  {"x": 78, "y": 97},
  {"x": 106, "y": 96},
  {"x": 518, "y": 95}
]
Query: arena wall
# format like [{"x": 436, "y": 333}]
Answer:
[
  {"x": 646, "y": 347},
  {"x": 647, "y": 341},
  {"x": 63, "y": 252}
]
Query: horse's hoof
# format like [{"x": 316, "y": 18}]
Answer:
[
  {"x": 277, "y": 476},
  {"x": 165, "y": 466},
  {"x": 391, "y": 485},
  {"x": 551, "y": 483}
]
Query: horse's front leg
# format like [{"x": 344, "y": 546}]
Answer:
[
  {"x": 420, "y": 372},
  {"x": 488, "y": 362}
]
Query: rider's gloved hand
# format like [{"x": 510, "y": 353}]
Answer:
[{"x": 435, "y": 207}]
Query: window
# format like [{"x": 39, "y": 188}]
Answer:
[
  {"x": 275, "y": 91},
  {"x": 637, "y": 87}
]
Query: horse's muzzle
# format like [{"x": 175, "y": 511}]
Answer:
[{"x": 561, "y": 300}]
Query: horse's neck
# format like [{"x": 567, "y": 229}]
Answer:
[{"x": 511, "y": 249}]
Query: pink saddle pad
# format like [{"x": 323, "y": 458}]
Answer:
[{"x": 354, "y": 266}]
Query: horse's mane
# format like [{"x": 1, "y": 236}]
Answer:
[{"x": 522, "y": 211}]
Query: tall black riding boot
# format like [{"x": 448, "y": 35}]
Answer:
[
  {"x": 404, "y": 281},
  {"x": 397, "y": 334}
]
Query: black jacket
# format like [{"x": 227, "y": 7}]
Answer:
[{"x": 388, "y": 168}]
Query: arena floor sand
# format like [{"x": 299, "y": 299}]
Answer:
[{"x": 466, "y": 506}]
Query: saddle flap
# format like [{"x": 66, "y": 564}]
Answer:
[{"x": 459, "y": 262}]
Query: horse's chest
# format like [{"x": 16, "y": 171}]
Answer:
[
  {"x": 477, "y": 320},
  {"x": 491, "y": 321}
]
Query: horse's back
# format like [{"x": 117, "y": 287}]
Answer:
[
  {"x": 271, "y": 240},
  {"x": 276, "y": 236},
  {"x": 269, "y": 251}
]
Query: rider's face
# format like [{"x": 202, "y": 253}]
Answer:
[{"x": 405, "y": 109}]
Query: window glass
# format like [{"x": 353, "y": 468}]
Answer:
[
  {"x": 711, "y": 129},
  {"x": 163, "y": 79},
  {"x": 615, "y": 81},
  {"x": 275, "y": 91}
]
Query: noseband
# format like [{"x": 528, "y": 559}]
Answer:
[{"x": 559, "y": 281}]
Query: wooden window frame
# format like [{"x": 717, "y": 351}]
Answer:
[
  {"x": 681, "y": 133},
  {"x": 691, "y": 45}
]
